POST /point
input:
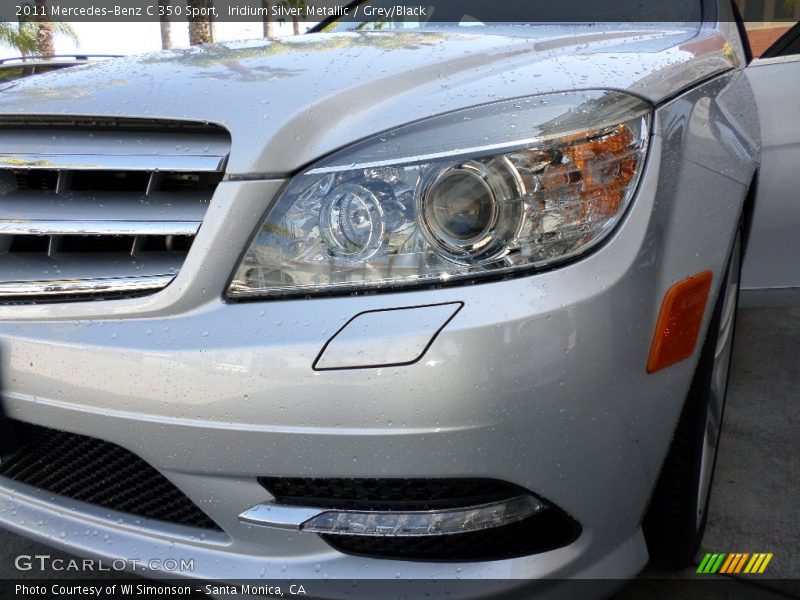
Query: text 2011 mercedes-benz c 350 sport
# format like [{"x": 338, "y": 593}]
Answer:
[{"x": 451, "y": 300}]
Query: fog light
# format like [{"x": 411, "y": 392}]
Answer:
[
  {"x": 424, "y": 523},
  {"x": 432, "y": 519}
]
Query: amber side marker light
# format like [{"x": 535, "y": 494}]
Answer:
[{"x": 679, "y": 321}]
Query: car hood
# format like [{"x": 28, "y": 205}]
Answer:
[{"x": 287, "y": 102}]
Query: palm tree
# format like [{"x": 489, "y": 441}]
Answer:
[
  {"x": 269, "y": 28},
  {"x": 200, "y": 29},
  {"x": 44, "y": 31},
  {"x": 20, "y": 36},
  {"x": 166, "y": 26},
  {"x": 25, "y": 36},
  {"x": 295, "y": 4}
]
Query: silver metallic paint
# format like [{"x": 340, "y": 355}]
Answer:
[{"x": 771, "y": 270}]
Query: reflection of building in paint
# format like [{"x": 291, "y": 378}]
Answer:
[
  {"x": 768, "y": 20},
  {"x": 770, "y": 10}
]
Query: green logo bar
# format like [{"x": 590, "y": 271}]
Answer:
[
  {"x": 711, "y": 562},
  {"x": 703, "y": 563}
]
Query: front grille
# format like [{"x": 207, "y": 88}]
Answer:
[
  {"x": 91, "y": 208},
  {"x": 547, "y": 530},
  {"x": 97, "y": 472}
]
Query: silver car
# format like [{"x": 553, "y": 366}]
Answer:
[{"x": 394, "y": 300}]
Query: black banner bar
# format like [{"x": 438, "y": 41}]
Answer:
[{"x": 709, "y": 587}]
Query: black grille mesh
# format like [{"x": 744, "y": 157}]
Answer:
[{"x": 98, "y": 472}]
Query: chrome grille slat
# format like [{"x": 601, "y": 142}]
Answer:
[
  {"x": 136, "y": 151},
  {"x": 30, "y": 205},
  {"x": 96, "y": 162},
  {"x": 77, "y": 287},
  {"x": 31, "y": 267},
  {"x": 59, "y": 228},
  {"x": 62, "y": 182},
  {"x": 138, "y": 244},
  {"x": 54, "y": 245},
  {"x": 152, "y": 184},
  {"x": 92, "y": 207}
]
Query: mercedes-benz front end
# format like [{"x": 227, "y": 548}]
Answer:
[{"x": 419, "y": 305}]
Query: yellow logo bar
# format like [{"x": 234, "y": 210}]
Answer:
[{"x": 758, "y": 563}]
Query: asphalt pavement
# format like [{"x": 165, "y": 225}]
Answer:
[{"x": 756, "y": 494}]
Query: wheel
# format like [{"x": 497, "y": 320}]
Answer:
[{"x": 676, "y": 518}]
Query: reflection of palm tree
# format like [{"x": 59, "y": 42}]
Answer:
[
  {"x": 223, "y": 55},
  {"x": 200, "y": 30},
  {"x": 236, "y": 63}
]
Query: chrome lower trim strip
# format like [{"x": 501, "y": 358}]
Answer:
[
  {"x": 69, "y": 287},
  {"x": 279, "y": 516},
  {"x": 113, "y": 162},
  {"x": 36, "y": 227}
]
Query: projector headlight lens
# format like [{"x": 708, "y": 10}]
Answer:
[
  {"x": 467, "y": 209},
  {"x": 461, "y": 205},
  {"x": 494, "y": 189}
]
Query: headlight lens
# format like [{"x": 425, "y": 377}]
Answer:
[{"x": 479, "y": 192}]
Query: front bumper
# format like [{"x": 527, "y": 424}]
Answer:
[{"x": 539, "y": 381}]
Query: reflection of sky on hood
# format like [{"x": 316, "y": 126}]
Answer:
[
  {"x": 299, "y": 98},
  {"x": 138, "y": 38},
  {"x": 328, "y": 62}
]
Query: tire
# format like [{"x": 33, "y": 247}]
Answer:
[{"x": 678, "y": 512}]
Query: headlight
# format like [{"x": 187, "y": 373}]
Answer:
[{"x": 480, "y": 192}]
